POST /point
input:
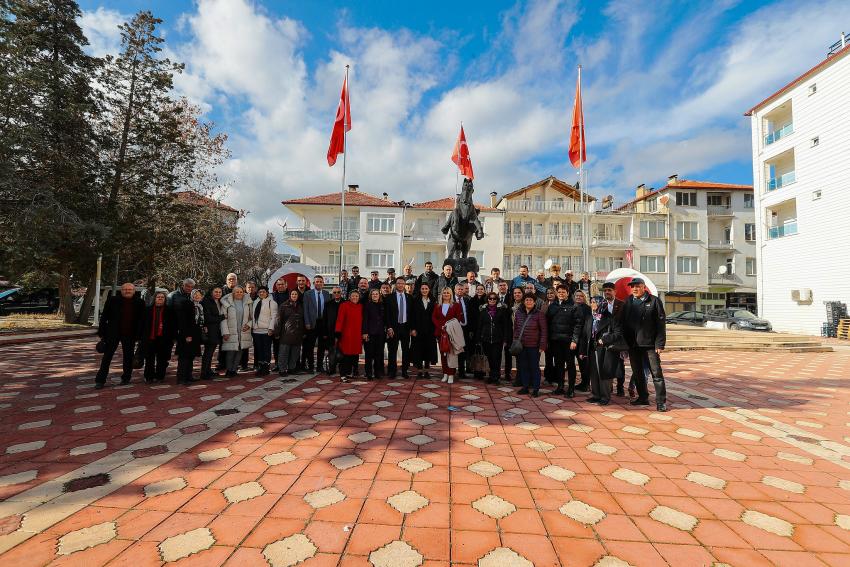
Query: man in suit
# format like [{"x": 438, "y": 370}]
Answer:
[
  {"x": 644, "y": 328},
  {"x": 121, "y": 323},
  {"x": 398, "y": 313},
  {"x": 469, "y": 324},
  {"x": 615, "y": 307},
  {"x": 314, "y": 303}
]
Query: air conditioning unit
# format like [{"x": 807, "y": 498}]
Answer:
[{"x": 801, "y": 295}]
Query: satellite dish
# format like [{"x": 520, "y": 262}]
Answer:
[
  {"x": 722, "y": 270},
  {"x": 664, "y": 199},
  {"x": 548, "y": 264}
]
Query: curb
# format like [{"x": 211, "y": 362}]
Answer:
[{"x": 42, "y": 336}]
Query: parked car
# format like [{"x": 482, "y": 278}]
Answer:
[
  {"x": 739, "y": 319},
  {"x": 18, "y": 300},
  {"x": 692, "y": 318}
]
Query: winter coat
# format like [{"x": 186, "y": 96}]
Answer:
[
  {"x": 349, "y": 324},
  {"x": 564, "y": 322},
  {"x": 110, "y": 319},
  {"x": 267, "y": 321},
  {"x": 331, "y": 313},
  {"x": 374, "y": 318},
  {"x": 553, "y": 282},
  {"x": 440, "y": 320},
  {"x": 188, "y": 327},
  {"x": 168, "y": 325},
  {"x": 212, "y": 319},
  {"x": 493, "y": 329},
  {"x": 535, "y": 333},
  {"x": 520, "y": 282},
  {"x": 290, "y": 323},
  {"x": 429, "y": 278},
  {"x": 644, "y": 322},
  {"x": 233, "y": 328},
  {"x": 443, "y": 282}
]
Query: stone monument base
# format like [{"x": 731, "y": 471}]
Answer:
[{"x": 461, "y": 266}]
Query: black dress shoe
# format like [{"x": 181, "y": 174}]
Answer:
[
  {"x": 661, "y": 407},
  {"x": 571, "y": 391},
  {"x": 523, "y": 391},
  {"x": 558, "y": 390},
  {"x": 593, "y": 400},
  {"x": 621, "y": 392},
  {"x": 639, "y": 402},
  {"x": 125, "y": 381},
  {"x": 99, "y": 385},
  {"x": 604, "y": 402},
  {"x": 582, "y": 388},
  {"x": 535, "y": 393}
]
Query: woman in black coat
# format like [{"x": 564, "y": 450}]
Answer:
[
  {"x": 212, "y": 327},
  {"x": 423, "y": 342},
  {"x": 493, "y": 333},
  {"x": 157, "y": 338},
  {"x": 582, "y": 314},
  {"x": 190, "y": 324},
  {"x": 374, "y": 334}
]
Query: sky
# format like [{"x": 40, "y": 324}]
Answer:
[{"x": 665, "y": 86}]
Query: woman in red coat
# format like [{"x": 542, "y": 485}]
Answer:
[
  {"x": 445, "y": 311},
  {"x": 349, "y": 323}
]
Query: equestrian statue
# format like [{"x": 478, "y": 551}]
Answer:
[{"x": 462, "y": 224}]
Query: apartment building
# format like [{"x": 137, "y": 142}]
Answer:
[
  {"x": 379, "y": 233},
  {"x": 800, "y": 170},
  {"x": 695, "y": 239}
]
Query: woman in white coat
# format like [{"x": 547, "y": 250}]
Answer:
[
  {"x": 236, "y": 327},
  {"x": 264, "y": 317}
]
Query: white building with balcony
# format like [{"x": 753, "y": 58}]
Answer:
[
  {"x": 800, "y": 171},
  {"x": 696, "y": 240}
]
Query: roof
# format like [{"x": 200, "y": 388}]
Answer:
[
  {"x": 447, "y": 204},
  {"x": 554, "y": 183},
  {"x": 352, "y": 198},
  {"x": 193, "y": 198},
  {"x": 830, "y": 59},
  {"x": 689, "y": 184}
]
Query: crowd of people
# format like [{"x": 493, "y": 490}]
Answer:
[{"x": 491, "y": 330}]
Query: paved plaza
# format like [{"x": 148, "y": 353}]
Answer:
[{"x": 750, "y": 467}]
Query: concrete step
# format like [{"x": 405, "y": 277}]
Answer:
[
  {"x": 698, "y": 338},
  {"x": 748, "y": 348}
]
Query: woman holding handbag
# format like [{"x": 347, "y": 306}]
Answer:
[
  {"x": 444, "y": 312},
  {"x": 494, "y": 327},
  {"x": 528, "y": 340},
  {"x": 423, "y": 342},
  {"x": 374, "y": 334}
]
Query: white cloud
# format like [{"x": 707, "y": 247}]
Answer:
[{"x": 101, "y": 28}]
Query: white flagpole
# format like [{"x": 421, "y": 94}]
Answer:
[
  {"x": 584, "y": 228},
  {"x": 345, "y": 113}
]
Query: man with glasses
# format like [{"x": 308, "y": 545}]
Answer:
[{"x": 314, "y": 302}]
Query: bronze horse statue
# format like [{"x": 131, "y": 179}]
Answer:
[{"x": 463, "y": 223}]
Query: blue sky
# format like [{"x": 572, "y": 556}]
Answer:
[{"x": 665, "y": 87}]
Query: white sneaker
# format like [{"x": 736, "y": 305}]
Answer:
[
  {"x": 451, "y": 379},
  {"x": 445, "y": 378}
]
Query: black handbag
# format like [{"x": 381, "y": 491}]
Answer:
[
  {"x": 516, "y": 346},
  {"x": 100, "y": 346}
]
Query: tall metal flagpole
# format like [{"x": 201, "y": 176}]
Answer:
[
  {"x": 345, "y": 112},
  {"x": 585, "y": 260}
]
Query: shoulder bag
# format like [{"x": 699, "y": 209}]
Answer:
[{"x": 516, "y": 345}]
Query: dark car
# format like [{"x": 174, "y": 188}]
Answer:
[
  {"x": 17, "y": 300},
  {"x": 739, "y": 319},
  {"x": 692, "y": 318}
]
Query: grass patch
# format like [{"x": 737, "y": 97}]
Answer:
[{"x": 22, "y": 322}]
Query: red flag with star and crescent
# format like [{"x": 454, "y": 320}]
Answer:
[
  {"x": 460, "y": 156},
  {"x": 577, "y": 152},
  {"x": 342, "y": 124}
]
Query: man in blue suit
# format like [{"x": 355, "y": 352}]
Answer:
[{"x": 314, "y": 302}]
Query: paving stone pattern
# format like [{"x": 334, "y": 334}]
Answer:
[{"x": 750, "y": 467}]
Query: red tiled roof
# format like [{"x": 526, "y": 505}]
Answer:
[
  {"x": 825, "y": 63},
  {"x": 193, "y": 198},
  {"x": 447, "y": 204},
  {"x": 352, "y": 198},
  {"x": 689, "y": 184},
  {"x": 557, "y": 184}
]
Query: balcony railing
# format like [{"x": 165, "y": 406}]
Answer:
[
  {"x": 425, "y": 236},
  {"x": 777, "y": 134},
  {"x": 781, "y": 181},
  {"x": 544, "y": 240},
  {"x": 527, "y": 206},
  {"x": 332, "y": 270},
  {"x": 719, "y": 211},
  {"x": 609, "y": 242},
  {"x": 786, "y": 229},
  {"x": 304, "y": 234},
  {"x": 714, "y": 277},
  {"x": 721, "y": 244}
]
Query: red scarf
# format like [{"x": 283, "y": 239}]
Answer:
[{"x": 156, "y": 322}]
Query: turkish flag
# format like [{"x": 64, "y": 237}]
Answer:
[
  {"x": 578, "y": 153},
  {"x": 342, "y": 124},
  {"x": 460, "y": 155}
]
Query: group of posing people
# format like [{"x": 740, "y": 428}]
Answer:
[{"x": 468, "y": 327}]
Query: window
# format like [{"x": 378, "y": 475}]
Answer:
[
  {"x": 750, "y": 231},
  {"x": 652, "y": 205},
  {"x": 717, "y": 200},
  {"x": 653, "y": 229},
  {"x": 506, "y": 262},
  {"x": 526, "y": 228},
  {"x": 813, "y": 88},
  {"x": 380, "y": 223},
  {"x": 687, "y": 230},
  {"x": 350, "y": 223},
  {"x": 687, "y": 265},
  {"x": 684, "y": 199},
  {"x": 576, "y": 231},
  {"x": 751, "y": 266},
  {"x": 653, "y": 264},
  {"x": 554, "y": 228},
  {"x": 517, "y": 228},
  {"x": 350, "y": 258},
  {"x": 606, "y": 264},
  {"x": 380, "y": 258},
  {"x": 815, "y": 141},
  {"x": 422, "y": 257},
  {"x": 749, "y": 201},
  {"x": 507, "y": 229},
  {"x": 816, "y": 195}
]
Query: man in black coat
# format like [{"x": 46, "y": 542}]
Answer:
[
  {"x": 644, "y": 328},
  {"x": 470, "y": 327},
  {"x": 331, "y": 313},
  {"x": 615, "y": 307},
  {"x": 601, "y": 339},
  {"x": 120, "y": 323},
  {"x": 564, "y": 329},
  {"x": 430, "y": 277},
  {"x": 446, "y": 280},
  {"x": 398, "y": 314}
]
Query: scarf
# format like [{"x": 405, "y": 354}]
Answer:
[
  {"x": 156, "y": 322},
  {"x": 491, "y": 309},
  {"x": 199, "y": 313}
]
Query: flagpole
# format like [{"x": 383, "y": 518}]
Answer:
[
  {"x": 585, "y": 238},
  {"x": 342, "y": 194}
]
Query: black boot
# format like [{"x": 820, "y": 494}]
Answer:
[
  {"x": 571, "y": 391},
  {"x": 560, "y": 389}
]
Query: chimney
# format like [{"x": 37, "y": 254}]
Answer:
[
  {"x": 640, "y": 191},
  {"x": 353, "y": 188},
  {"x": 493, "y": 199},
  {"x": 386, "y": 196},
  {"x": 673, "y": 179}
]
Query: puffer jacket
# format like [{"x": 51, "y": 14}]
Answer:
[
  {"x": 494, "y": 329},
  {"x": 290, "y": 323},
  {"x": 535, "y": 334},
  {"x": 268, "y": 315},
  {"x": 233, "y": 328},
  {"x": 564, "y": 322}
]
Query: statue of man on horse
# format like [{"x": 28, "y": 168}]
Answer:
[{"x": 462, "y": 224}]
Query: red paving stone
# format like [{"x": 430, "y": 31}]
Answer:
[{"x": 750, "y": 467}]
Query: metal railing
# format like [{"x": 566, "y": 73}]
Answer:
[
  {"x": 305, "y": 234},
  {"x": 838, "y": 45},
  {"x": 781, "y": 181},
  {"x": 786, "y": 229},
  {"x": 423, "y": 236},
  {"x": 721, "y": 244},
  {"x": 713, "y": 276},
  {"x": 719, "y": 210},
  {"x": 332, "y": 270},
  {"x": 552, "y": 240},
  {"x": 609, "y": 242},
  {"x": 780, "y": 133},
  {"x": 528, "y": 206}
]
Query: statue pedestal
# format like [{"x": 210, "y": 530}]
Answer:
[{"x": 461, "y": 266}]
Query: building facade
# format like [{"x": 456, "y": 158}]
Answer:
[{"x": 800, "y": 170}]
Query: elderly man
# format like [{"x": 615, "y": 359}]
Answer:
[
  {"x": 645, "y": 330},
  {"x": 120, "y": 322},
  {"x": 180, "y": 303},
  {"x": 374, "y": 281},
  {"x": 231, "y": 281},
  {"x": 446, "y": 280},
  {"x": 398, "y": 311}
]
